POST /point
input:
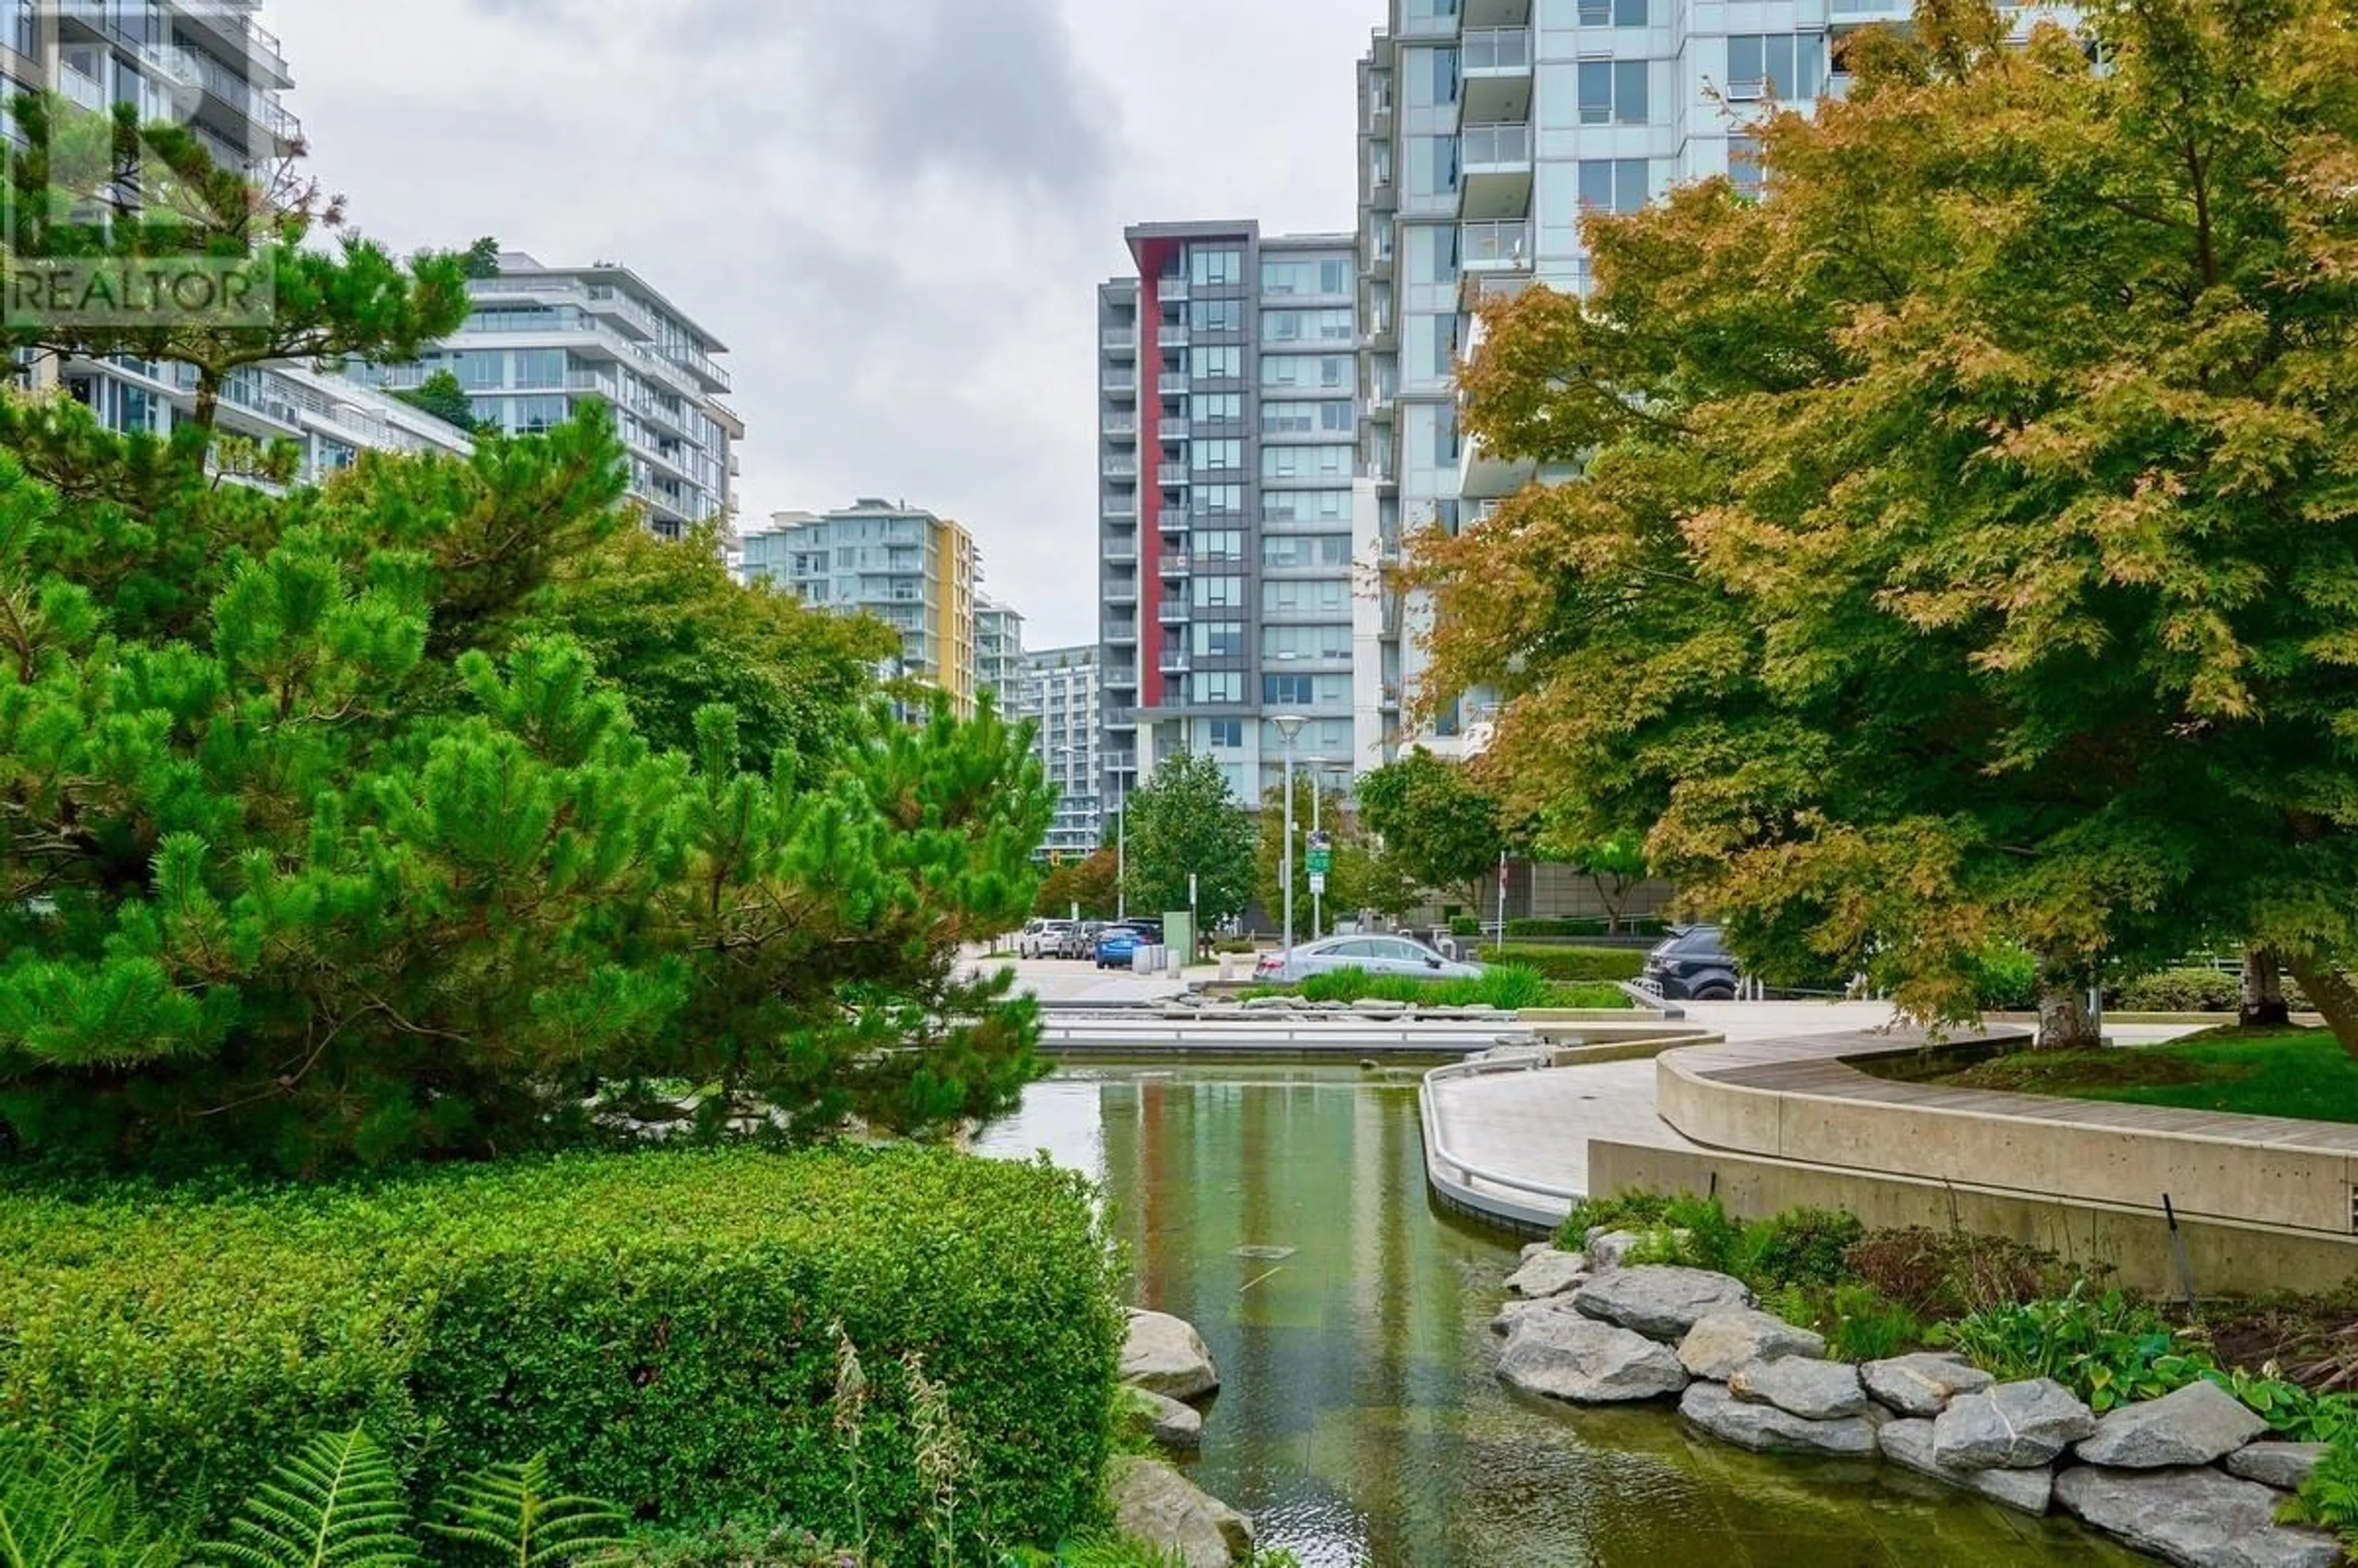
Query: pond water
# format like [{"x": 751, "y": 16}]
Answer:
[{"x": 1282, "y": 1210}]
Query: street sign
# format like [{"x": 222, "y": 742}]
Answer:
[
  {"x": 1317, "y": 881},
  {"x": 1322, "y": 858}
]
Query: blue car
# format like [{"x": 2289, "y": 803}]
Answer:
[{"x": 1118, "y": 946}]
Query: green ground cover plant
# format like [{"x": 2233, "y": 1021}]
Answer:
[
  {"x": 663, "y": 1326},
  {"x": 1508, "y": 988},
  {"x": 1570, "y": 963}
]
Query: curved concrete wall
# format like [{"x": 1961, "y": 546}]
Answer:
[{"x": 2248, "y": 1170}]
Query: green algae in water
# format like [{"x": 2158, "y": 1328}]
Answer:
[{"x": 1360, "y": 1422}]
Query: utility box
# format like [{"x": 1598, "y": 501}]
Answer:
[{"x": 1179, "y": 936}]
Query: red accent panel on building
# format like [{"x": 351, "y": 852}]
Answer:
[{"x": 1152, "y": 254}]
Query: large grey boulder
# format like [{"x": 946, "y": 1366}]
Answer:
[
  {"x": 1909, "y": 1444},
  {"x": 1814, "y": 1390},
  {"x": 1764, "y": 1428},
  {"x": 1164, "y": 1354},
  {"x": 1170, "y": 1423},
  {"x": 1606, "y": 1249},
  {"x": 1567, "y": 1357},
  {"x": 1533, "y": 1250},
  {"x": 1659, "y": 1301},
  {"x": 1155, "y": 1503},
  {"x": 1550, "y": 1273},
  {"x": 2284, "y": 1465},
  {"x": 1922, "y": 1384},
  {"x": 2194, "y": 1425},
  {"x": 1513, "y": 1315},
  {"x": 1718, "y": 1345},
  {"x": 2010, "y": 1426},
  {"x": 2196, "y": 1517}
]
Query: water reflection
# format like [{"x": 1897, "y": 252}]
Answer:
[{"x": 1282, "y": 1211}]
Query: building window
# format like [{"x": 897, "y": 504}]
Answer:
[
  {"x": 1787, "y": 66},
  {"x": 1613, "y": 13},
  {"x": 1217, "y": 545},
  {"x": 1219, "y": 640},
  {"x": 1305, "y": 550},
  {"x": 1332, "y": 326},
  {"x": 1305, "y": 462},
  {"x": 1216, "y": 407},
  {"x": 1744, "y": 163},
  {"x": 1208, "y": 456},
  {"x": 1614, "y": 185},
  {"x": 1297, "y": 691},
  {"x": 1219, "y": 592},
  {"x": 1218, "y": 501},
  {"x": 1216, "y": 314},
  {"x": 1222, "y": 363},
  {"x": 1613, "y": 93},
  {"x": 1219, "y": 685},
  {"x": 1211, "y": 267},
  {"x": 1227, "y": 734}
]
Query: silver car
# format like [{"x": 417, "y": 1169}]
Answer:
[
  {"x": 1374, "y": 955},
  {"x": 1041, "y": 939}
]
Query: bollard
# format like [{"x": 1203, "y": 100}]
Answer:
[{"x": 1227, "y": 968}]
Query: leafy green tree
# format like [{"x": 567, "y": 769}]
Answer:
[
  {"x": 1343, "y": 892},
  {"x": 441, "y": 395},
  {"x": 1439, "y": 825},
  {"x": 1087, "y": 883},
  {"x": 107, "y": 188},
  {"x": 671, "y": 630},
  {"x": 320, "y": 846},
  {"x": 1613, "y": 866},
  {"x": 1954, "y": 556},
  {"x": 1186, "y": 820},
  {"x": 482, "y": 259}
]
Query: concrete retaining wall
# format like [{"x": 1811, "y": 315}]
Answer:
[
  {"x": 2241, "y": 1169},
  {"x": 2225, "y": 1257}
]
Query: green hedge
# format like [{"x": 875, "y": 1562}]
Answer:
[
  {"x": 1648, "y": 926},
  {"x": 658, "y": 1322},
  {"x": 2181, "y": 991},
  {"x": 1573, "y": 963}
]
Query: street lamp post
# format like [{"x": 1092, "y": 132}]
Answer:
[{"x": 1288, "y": 725}]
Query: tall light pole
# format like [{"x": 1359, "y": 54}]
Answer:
[
  {"x": 1319, "y": 768},
  {"x": 1288, "y": 725}
]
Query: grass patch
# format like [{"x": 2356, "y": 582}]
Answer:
[
  {"x": 1508, "y": 987},
  {"x": 2254, "y": 1072}
]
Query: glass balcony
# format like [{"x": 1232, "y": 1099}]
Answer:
[
  {"x": 1495, "y": 245},
  {"x": 1170, "y": 290},
  {"x": 1172, "y": 384}
]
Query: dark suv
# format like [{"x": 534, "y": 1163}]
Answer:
[{"x": 1691, "y": 964}]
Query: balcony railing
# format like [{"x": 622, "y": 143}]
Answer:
[
  {"x": 1170, "y": 290},
  {"x": 1119, "y": 507},
  {"x": 1125, "y": 383},
  {"x": 1177, "y": 565},
  {"x": 1171, "y": 473},
  {"x": 1172, "y": 612},
  {"x": 1120, "y": 341},
  {"x": 1173, "y": 663},
  {"x": 1171, "y": 335},
  {"x": 1495, "y": 48},
  {"x": 1495, "y": 145},
  {"x": 1172, "y": 384},
  {"x": 1119, "y": 424},
  {"x": 1172, "y": 430},
  {"x": 1120, "y": 468}
]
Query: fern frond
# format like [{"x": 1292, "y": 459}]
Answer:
[
  {"x": 508, "y": 1508},
  {"x": 334, "y": 1503},
  {"x": 62, "y": 1505}
]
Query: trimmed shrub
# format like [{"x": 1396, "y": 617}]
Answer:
[
  {"x": 661, "y": 1324},
  {"x": 1555, "y": 929},
  {"x": 1502, "y": 986},
  {"x": 2006, "y": 979},
  {"x": 1574, "y": 962},
  {"x": 2181, "y": 991},
  {"x": 1465, "y": 926}
]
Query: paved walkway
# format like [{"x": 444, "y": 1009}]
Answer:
[{"x": 1536, "y": 1127}]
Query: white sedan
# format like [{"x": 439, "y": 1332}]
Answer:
[{"x": 1373, "y": 955}]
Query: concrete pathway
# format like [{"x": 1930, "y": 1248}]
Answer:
[{"x": 1536, "y": 1127}]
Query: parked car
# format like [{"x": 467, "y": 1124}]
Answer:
[
  {"x": 1692, "y": 964},
  {"x": 1118, "y": 945},
  {"x": 1039, "y": 939},
  {"x": 1375, "y": 955},
  {"x": 1078, "y": 940}
]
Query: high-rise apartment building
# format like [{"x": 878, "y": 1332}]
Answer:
[
  {"x": 1488, "y": 129},
  {"x": 206, "y": 65},
  {"x": 1228, "y": 380},
  {"x": 542, "y": 338},
  {"x": 998, "y": 651},
  {"x": 914, "y": 571},
  {"x": 1059, "y": 693}
]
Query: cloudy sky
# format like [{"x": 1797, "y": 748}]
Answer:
[{"x": 894, "y": 212}]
